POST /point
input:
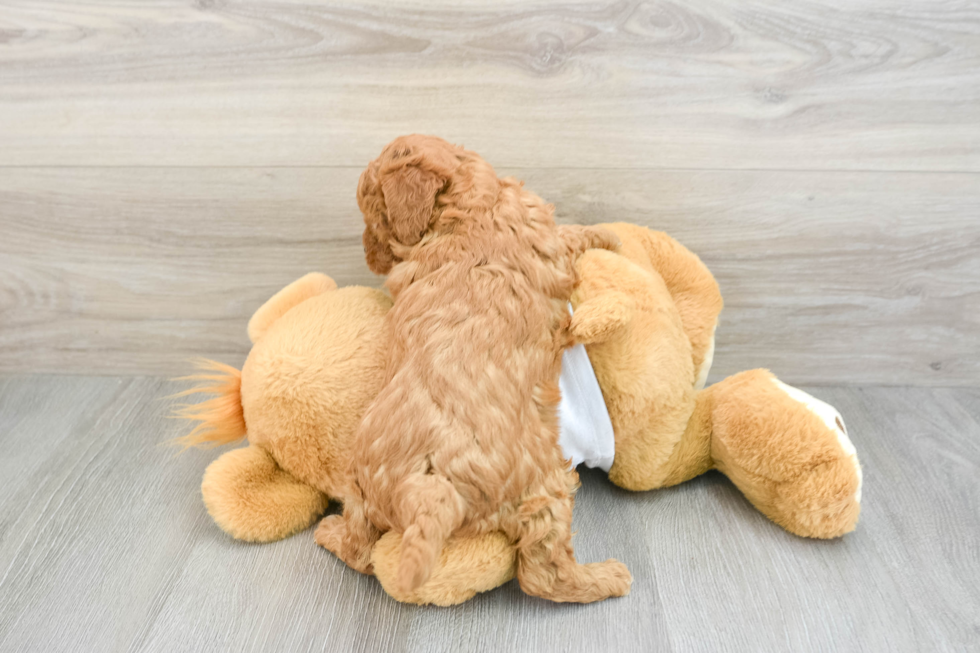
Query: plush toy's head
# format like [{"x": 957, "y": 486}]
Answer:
[
  {"x": 397, "y": 195},
  {"x": 309, "y": 378}
]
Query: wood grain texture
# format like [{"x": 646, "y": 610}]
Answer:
[
  {"x": 167, "y": 166},
  {"x": 828, "y": 277},
  {"x": 105, "y": 545},
  {"x": 834, "y": 84}
]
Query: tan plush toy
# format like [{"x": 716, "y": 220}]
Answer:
[{"x": 647, "y": 316}]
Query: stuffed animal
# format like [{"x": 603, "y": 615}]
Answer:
[{"x": 646, "y": 317}]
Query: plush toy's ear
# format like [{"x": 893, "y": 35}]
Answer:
[
  {"x": 410, "y": 195},
  {"x": 311, "y": 285}
]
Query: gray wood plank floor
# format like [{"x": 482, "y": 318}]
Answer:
[{"x": 105, "y": 546}]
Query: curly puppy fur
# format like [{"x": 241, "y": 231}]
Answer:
[{"x": 463, "y": 438}]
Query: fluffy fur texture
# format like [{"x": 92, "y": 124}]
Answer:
[
  {"x": 463, "y": 437},
  {"x": 787, "y": 461},
  {"x": 313, "y": 372},
  {"x": 796, "y": 466},
  {"x": 316, "y": 364},
  {"x": 655, "y": 378},
  {"x": 309, "y": 379},
  {"x": 483, "y": 563},
  {"x": 250, "y": 481},
  {"x": 307, "y": 286}
]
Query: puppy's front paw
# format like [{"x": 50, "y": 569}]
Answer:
[
  {"x": 604, "y": 238},
  {"x": 578, "y": 238},
  {"x": 599, "y": 318}
]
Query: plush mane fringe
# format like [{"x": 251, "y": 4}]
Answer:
[{"x": 220, "y": 419}]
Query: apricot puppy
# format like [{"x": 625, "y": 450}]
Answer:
[{"x": 463, "y": 437}]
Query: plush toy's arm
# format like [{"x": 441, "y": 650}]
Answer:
[
  {"x": 599, "y": 318},
  {"x": 690, "y": 283},
  {"x": 310, "y": 285}
]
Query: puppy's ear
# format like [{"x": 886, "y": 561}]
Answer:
[
  {"x": 410, "y": 195},
  {"x": 380, "y": 258}
]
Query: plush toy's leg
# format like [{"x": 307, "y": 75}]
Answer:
[
  {"x": 466, "y": 566},
  {"x": 692, "y": 287},
  {"x": 350, "y": 536},
  {"x": 251, "y": 498},
  {"x": 787, "y": 452}
]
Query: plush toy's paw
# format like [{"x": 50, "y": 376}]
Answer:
[
  {"x": 251, "y": 498},
  {"x": 834, "y": 423},
  {"x": 330, "y": 535},
  {"x": 466, "y": 566},
  {"x": 599, "y": 318}
]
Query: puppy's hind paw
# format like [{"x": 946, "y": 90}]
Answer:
[
  {"x": 329, "y": 533},
  {"x": 612, "y": 576},
  {"x": 332, "y": 535}
]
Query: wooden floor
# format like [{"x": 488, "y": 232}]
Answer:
[{"x": 106, "y": 546}]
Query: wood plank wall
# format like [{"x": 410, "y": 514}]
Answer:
[{"x": 166, "y": 166}]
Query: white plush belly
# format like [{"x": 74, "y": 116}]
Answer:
[{"x": 586, "y": 434}]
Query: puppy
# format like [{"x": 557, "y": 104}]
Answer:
[{"x": 463, "y": 437}]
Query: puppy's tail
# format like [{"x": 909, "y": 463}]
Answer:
[{"x": 432, "y": 510}]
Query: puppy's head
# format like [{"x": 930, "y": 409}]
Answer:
[{"x": 397, "y": 195}]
